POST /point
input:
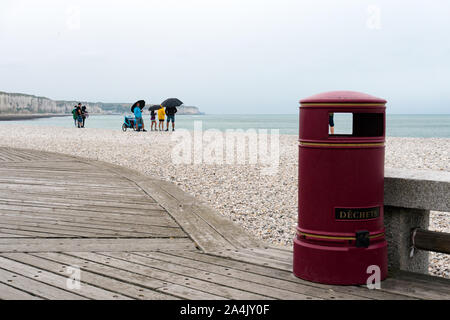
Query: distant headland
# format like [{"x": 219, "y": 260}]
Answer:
[{"x": 25, "y": 104}]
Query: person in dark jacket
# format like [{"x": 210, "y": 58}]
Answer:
[
  {"x": 170, "y": 112},
  {"x": 84, "y": 115}
]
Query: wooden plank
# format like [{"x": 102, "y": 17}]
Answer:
[
  {"x": 47, "y": 166},
  {"x": 433, "y": 281},
  {"x": 90, "y": 245},
  {"x": 154, "y": 218},
  {"x": 58, "y": 281},
  {"x": 113, "y": 203},
  {"x": 51, "y": 168},
  {"x": 42, "y": 163},
  {"x": 270, "y": 285},
  {"x": 280, "y": 248},
  {"x": 193, "y": 272},
  {"x": 438, "y": 285},
  {"x": 248, "y": 257},
  {"x": 54, "y": 169},
  {"x": 65, "y": 178},
  {"x": 80, "y": 207},
  {"x": 64, "y": 182},
  {"x": 74, "y": 190},
  {"x": 92, "y": 211},
  {"x": 268, "y": 254},
  {"x": 67, "y": 183},
  {"x": 20, "y": 156},
  {"x": 24, "y": 155},
  {"x": 58, "y": 193},
  {"x": 10, "y": 293},
  {"x": 106, "y": 191},
  {"x": 7, "y": 156},
  {"x": 288, "y": 276},
  {"x": 413, "y": 289},
  {"x": 88, "y": 200},
  {"x": 9, "y": 235},
  {"x": 37, "y": 161},
  {"x": 160, "y": 282},
  {"x": 132, "y": 229},
  {"x": 88, "y": 228},
  {"x": 36, "y": 287},
  {"x": 170, "y": 276},
  {"x": 103, "y": 282},
  {"x": 10, "y": 156},
  {"x": 60, "y": 231},
  {"x": 29, "y": 234}
]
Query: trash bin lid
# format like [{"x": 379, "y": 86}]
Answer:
[{"x": 342, "y": 97}]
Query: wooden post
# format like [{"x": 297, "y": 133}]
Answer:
[{"x": 431, "y": 240}]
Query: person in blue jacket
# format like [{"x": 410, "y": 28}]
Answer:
[{"x": 138, "y": 116}]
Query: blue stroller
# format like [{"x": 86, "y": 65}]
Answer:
[{"x": 129, "y": 123}]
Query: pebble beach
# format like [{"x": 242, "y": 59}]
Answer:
[{"x": 264, "y": 205}]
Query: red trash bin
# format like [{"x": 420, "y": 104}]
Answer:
[{"x": 340, "y": 229}]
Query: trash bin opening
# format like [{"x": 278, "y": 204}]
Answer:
[{"x": 348, "y": 124}]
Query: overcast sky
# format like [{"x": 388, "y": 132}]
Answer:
[{"x": 228, "y": 56}]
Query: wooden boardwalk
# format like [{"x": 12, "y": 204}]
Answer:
[{"x": 134, "y": 237}]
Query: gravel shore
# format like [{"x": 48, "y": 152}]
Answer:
[{"x": 264, "y": 205}]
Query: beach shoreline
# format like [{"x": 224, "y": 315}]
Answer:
[
  {"x": 21, "y": 117},
  {"x": 264, "y": 205}
]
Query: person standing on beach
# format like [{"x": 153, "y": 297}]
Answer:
[
  {"x": 331, "y": 122},
  {"x": 153, "y": 120},
  {"x": 139, "y": 121},
  {"x": 171, "y": 117},
  {"x": 79, "y": 116},
  {"x": 83, "y": 115},
  {"x": 74, "y": 114},
  {"x": 161, "y": 117}
]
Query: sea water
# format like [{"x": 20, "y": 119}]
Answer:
[{"x": 422, "y": 126}]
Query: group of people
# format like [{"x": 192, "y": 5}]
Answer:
[
  {"x": 79, "y": 115},
  {"x": 162, "y": 113}
]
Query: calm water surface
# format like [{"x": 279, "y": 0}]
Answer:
[{"x": 425, "y": 126}]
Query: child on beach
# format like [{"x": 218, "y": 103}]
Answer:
[
  {"x": 153, "y": 119},
  {"x": 161, "y": 118}
]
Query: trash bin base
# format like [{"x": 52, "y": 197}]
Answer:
[{"x": 339, "y": 265}]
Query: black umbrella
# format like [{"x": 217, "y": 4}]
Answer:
[
  {"x": 154, "y": 107},
  {"x": 141, "y": 105},
  {"x": 171, "y": 103}
]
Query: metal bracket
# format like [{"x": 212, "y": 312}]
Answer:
[
  {"x": 362, "y": 239},
  {"x": 413, "y": 244}
]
